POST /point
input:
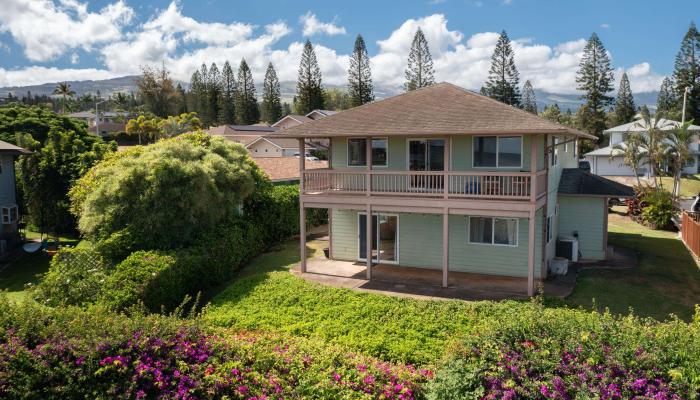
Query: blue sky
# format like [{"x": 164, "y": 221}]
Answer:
[{"x": 51, "y": 40}]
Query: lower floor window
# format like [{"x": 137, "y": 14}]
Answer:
[{"x": 492, "y": 230}]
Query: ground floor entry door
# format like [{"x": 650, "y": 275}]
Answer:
[{"x": 385, "y": 229}]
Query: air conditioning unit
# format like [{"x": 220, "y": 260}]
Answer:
[{"x": 567, "y": 247}]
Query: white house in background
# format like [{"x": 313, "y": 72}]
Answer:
[
  {"x": 609, "y": 161},
  {"x": 9, "y": 212},
  {"x": 276, "y": 147}
]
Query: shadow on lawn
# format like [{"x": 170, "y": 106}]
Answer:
[{"x": 665, "y": 281}]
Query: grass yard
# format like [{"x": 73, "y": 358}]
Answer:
[
  {"x": 26, "y": 268},
  {"x": 690, "y": 184},
  {"x": 666, "y": 281}
]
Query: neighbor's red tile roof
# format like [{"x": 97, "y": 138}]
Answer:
[
  {"x": 285, "y": 168},
  {"x": 440, "y": 109}
]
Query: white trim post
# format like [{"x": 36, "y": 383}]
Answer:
[
  {"x": 445, "y": 246},
  {"x": 302, "y": 210},
  {"x": 368, "y": 241}
]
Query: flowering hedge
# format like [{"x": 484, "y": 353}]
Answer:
[{"x": 95, "y": 354}]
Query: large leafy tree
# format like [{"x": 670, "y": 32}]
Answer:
[
  {"x": 686, "y": 73},
  {"x": 529, "y": 99},
  {"x": 309, "y": 90},
  {"x": 64, "y": 90},
  {"x": 247, "y": 111},
  {"x": 62, "y": 150},
  {"x": 271, "y": 98},
  {"x": 595, "y": 79},
  {"x": 502, "y": 83},
  {"x": 624, "y": 104},
  {"x": 419, "y": 72},
  {"x": 228, "y": 95},
  {"x": 666, "y": 101},
  {"x": 157, "y": 91},
  {"x": 164, "y": 195},
  {"x": 360, "y": 88}
]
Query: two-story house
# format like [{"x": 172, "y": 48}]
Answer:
[
  {"x": 447, "y": 179},
  {"x": 609, "y": 161},
  {"x": 9, "y": 212}
]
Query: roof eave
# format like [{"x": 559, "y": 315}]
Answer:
[{"x": 306, "y": 135}]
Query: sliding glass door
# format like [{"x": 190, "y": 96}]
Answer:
[
  {"x": 385, "y": 228},
  {"x": 426, "y": 155}
]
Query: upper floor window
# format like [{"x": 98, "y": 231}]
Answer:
[
  {"x": 498, "y": 151},
  {"x": 357, "y": 152},
  {"x": 554, "y": 160}
]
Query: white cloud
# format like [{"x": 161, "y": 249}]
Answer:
[
  {"x": 183, "y": 44},
  {"x": 313, "y": 26},
  {"x": 605, "y": 26},
  {"x": 46, "y": 30}
]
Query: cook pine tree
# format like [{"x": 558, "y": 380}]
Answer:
[
  {"x": 213, "y": 94},
  {"x": 419, "y": 72},
  {"x": 228, "y": 95},
  {"x": 529, "y": 99},
  {"x": 271, "y": 99},
  {"x": 246, "y": 104},
  {"x": 686, "y": 73},
  {"x": 595, "y": 80},
  {"x": 360, "y": 88},
  {"x": 624, "y": 104},
  {"x": 309, "y": 90},
  {"x": 502, "y": 83},
  {"x": 666, "y": 103}
]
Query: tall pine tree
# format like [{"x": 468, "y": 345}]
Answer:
[
  {"x": 271, "y": 99},
  {"x": 624, "y": 104},
  {"x": 214, "y": 94},
  {"x": 529, "y": 99},
  {"x": 309, "y": 89},
  {"x": 228, "y": 95},
  {"x": 195, "y": 92},
  {"x": 203, "y": 97},
  {"x": 595, "y": 79},
  {"x": 503, "y": 81},
  {"x": 666, "y": 103},
  {"x": 419, "y": 72},
  {"x": 247, "y": 111},
  {"x": 360, "y": 88},
  {"x": 687, "y": 73}
]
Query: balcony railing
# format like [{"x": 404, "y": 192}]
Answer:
[{"x": 447, "y": 184}]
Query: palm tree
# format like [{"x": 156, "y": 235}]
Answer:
[
  {"x": 652, "y": 141},
  {"x": 63, "y": 89},
  {"x": 631, "y": 152},
  {"x": 680, "y": 140}
]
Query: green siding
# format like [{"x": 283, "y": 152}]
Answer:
[
  {"x": 344, "y": 232},
  {"x": 587, "y": 216},
  {"x": 420, "y": 244}
]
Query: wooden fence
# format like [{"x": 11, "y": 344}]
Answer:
[{"x": 690, "y": 231}]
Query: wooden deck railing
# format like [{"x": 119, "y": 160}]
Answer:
[
  {"x": 690, "y": 231},
  {"x": 452, "y": 184}
]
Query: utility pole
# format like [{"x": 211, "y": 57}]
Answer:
[
  {"x": 97, "y": 117},
  {"x": 685, "y": 98}
]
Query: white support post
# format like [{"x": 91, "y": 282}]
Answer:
[
  {"x": 531, "y": 255},
  {"x": 447, "y": 168},
  {"x": 445, "y": 246},
  {"x": 368, "y": 155},
  {"x": 533, "y": 168},
  {"x": 302, "y": 210},
  {"x": 368, "y": 242}
]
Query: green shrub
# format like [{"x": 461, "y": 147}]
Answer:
[
  {"x": 75, "y": 276},
  {"x": 658, "y": 208}
]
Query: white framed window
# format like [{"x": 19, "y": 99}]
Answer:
[
  {"x": 554, "y": 160},
  {"x": 550, "y": 224},
  {"x": 493, "y": 231},
  {"x": 9, "y": 214},
  {"x": 357, "y": 152},
  {"x": 497, "y": 151}
]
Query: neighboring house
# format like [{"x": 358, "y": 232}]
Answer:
[
  {"x": 9, "y": 212},
  {"x": 453, "y": 181},
  {"x": 608, "y": 161},
  {"x": 109, "y": 121},
  {"x": 276, "y": 147},
  {"x": 285, "y": 170},
  {"x": 291, "y": 120}
]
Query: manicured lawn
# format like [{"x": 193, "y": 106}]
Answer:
[
  {"x": 666, "y": 281},
  {"x": 25, "y": 269},
  {"x": 690, "y": 185}
]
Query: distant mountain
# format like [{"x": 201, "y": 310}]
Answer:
[
  {"x": 288, "y": 90},
  {"x": 105, "y": 86}
]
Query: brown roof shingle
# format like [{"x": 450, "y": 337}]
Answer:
[
  {"x": 285, "y": 168},
  {"x": 9, "y": 148},
  {"x": 439, "y": 109}
]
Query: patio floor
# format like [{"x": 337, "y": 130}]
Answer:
[{"x": 412, "y": 282}]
